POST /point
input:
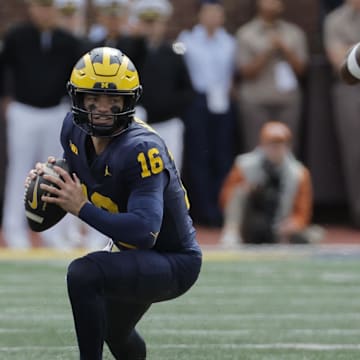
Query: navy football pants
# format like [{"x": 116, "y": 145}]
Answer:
[{"x": 110, "y": 292}]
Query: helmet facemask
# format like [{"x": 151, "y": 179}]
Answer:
[{"x": 121, "y": 118}]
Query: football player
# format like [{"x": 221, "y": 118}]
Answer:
[{"x": 124, "y": 183}]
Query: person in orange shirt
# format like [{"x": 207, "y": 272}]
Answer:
[{"x": 267, "y": 195}]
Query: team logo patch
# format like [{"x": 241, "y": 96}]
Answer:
[
  {"x": 105, "y": 85},
  {"x": 154, "y": 235},
  {"x": 34, "y": 202},
  {"x": 107, "y": 171}
]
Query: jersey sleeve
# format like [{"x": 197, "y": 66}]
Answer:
[
  {"x": 139, "y": 226},
  {"x": 65, "y": 132},
  {"x": 65, "y": 137}
]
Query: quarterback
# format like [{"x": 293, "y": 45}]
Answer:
[{"x": 123, "y": 182}]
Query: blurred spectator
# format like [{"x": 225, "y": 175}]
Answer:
[
  {"x": 164, "y": 77},
  {"x": 272, "y": 53},
  {"x": 72, "y": 16},
  {"x": 342, "y": 30},
  {"x": 35, "y": 111},
  {"x": 2, "y": 140},
  {"x": 267, "y": 196},
  {"x": 98, "y": 30},
  {"x": 72, "y": 230},
  {"x": 209, "y": 122},
  {"x": 329, "y": 5},
  {"x": 115, "y": 20}
]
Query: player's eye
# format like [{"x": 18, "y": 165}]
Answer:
[
  {"x": 116, "y": 100},
  {"x": 91, "y": 99}
]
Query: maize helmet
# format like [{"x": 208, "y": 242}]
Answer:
[{"x": 108, "y": 71}]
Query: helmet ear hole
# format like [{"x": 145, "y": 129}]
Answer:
[
  {"x": 69, "y": 88},
  {"x": 139, "y": 93}
]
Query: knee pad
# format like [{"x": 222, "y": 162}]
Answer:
[{"x": 83, "y": 274}]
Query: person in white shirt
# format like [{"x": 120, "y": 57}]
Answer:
[{"x": 210, "y": 58}]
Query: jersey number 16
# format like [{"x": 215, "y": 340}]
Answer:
[{"x": 155, "y": 161}]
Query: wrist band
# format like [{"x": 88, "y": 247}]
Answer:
[{"x": 352, "y": 63}]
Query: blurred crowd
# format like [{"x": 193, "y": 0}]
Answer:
[{"x": 228, "y": 105}]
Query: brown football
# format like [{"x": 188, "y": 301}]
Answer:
[{"x": 40, "y": 215}]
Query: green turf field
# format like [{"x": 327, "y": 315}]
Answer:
[{"x": 273, "y": 309}]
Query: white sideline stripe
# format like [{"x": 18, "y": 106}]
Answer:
[
  {"x": 257, "y": 316},
  {"x": 261, "y": 289},
  {"x": 201, "y": 332},
  {"x": 18, "y": 331},
  {"x": 32, "y": 330},
  {"x": 340, "y": 277},
  {"x": 344, "y": 332},
  {"x": 249, "y": 300},
  {"x": 37, "y": 317},
  {"x": 32, "y": 348},
  {"x": 274, "y": 346}
]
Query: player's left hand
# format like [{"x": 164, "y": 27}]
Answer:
[{"x": 68, "y": 194}]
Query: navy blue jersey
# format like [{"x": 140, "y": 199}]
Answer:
[{"x": 135, "y": 192}]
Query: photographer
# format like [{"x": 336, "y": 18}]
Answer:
[{"x": 267, "y": 196}]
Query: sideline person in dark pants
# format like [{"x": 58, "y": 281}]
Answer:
[
  {"x": 209, "y": 122},
  {"x": 209, "y": 144}
]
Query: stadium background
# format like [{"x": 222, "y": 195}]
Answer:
[
  {"x": 255, "y": 304},
  {"x": 319, "y": 149}
]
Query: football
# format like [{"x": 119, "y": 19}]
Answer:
[{"x": 40, "y": 215}]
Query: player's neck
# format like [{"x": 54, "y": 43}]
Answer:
[{"x": 100, "y": 144}]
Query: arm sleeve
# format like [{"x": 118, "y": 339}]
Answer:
[
  {"x": 64, "y": 133},
  {"x": 65, "y": 137},
  {"x": 139, "y": 226}
]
